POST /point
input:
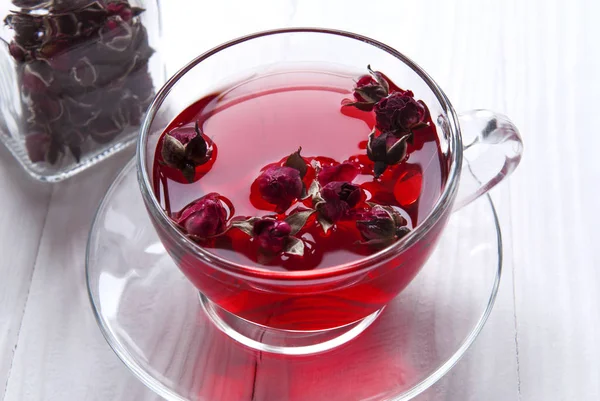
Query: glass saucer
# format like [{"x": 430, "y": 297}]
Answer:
[{"x": 152, "y": 317}]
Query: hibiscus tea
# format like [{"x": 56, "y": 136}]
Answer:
[{"x": 301, "y": 171}]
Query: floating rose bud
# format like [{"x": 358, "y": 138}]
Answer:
[
  {"x": 184, "y": 149},
  {"x": 381, "y": 224},
  {"x": 338, "y": 198},
  {"x": 272, "y": 235},
  {"x": 280, "y": 186},
  {"x": 369, "y": 90},
  {"x": 378, "y": 224},
  {"x": 399, "y": 112},
  {"x": 206, "y": 217},
  {"x": 386, "y": 150},
  {"x": 341, "y": 172}
]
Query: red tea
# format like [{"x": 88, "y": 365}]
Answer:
[{"x": 321, "y": 124}]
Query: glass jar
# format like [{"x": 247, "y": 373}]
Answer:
[{"x": 76, "y": 77}]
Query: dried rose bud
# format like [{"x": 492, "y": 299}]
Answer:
[
  {"x": 386, "y": 150},
  {"x": 339, "y": 197},
  {"x": 205, "y": 217},
  {"x": 382, "y": 225},
  {"x": 122, "y": 9},
  {"x": 272, "y": 235},
  {"x": 341, "y": 172},
  {"x": 84, "y": 73},
  {"x": 280, "y": 186},
  {"x": 38, "y": 145},
  {"x": 116, "y": 34},
  {"x": 17, "y": 52},
  {"x": 27, "y": 28},
  {"x": 399, "y": 112},
  {"x": 71, "y": 50},
  {"x": 369, "y": 90},
  {"x": 184, "y": 148},
  {"x": 37, "y": 77}
]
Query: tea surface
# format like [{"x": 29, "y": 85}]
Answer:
[{"x": 258, "y": 124}]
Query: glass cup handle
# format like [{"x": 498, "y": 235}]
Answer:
[{"x": 492, "y": 149}]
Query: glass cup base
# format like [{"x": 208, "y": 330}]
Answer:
[
  {"x": 150, "y": 315},
  {"x": 284, "y": 342}
]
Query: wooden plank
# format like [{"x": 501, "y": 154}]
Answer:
[
  {"x": 61, "y": 354},
  {"x": 24, "y": 204},
  {"x": 555, "y": 195}
]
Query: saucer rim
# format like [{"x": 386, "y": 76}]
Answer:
[{"x": 162, "y": 390}]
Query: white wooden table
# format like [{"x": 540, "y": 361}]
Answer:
[{"x": 537, "y": 61}]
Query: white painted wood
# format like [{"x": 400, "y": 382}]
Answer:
[
  {"x": 536, "y": 61},
  {"x": 555, "y": 196},
  {"x": 61, "y": 353},
  {"x": 24, "y": 204}
]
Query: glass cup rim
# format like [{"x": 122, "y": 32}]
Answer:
[{"x": 443, "y": 202}]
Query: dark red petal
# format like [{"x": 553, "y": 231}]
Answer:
[
  {"x": 37, "y": 145},
  {"x": 341, "y": 172}
]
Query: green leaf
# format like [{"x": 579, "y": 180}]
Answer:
[
  {"x": 172, "y": 152},
  {"x": 397, "y": 152},
  {"x": 402, "y": 232},
  {"x": 246, "y": 226},
  {"x": 197, "y": 148},
  {"x": 399, "y": 220},
  {"x": 371, "y": 93},
  {"x": 370, "y": 144},
  {"x": 380, "y": 79},
  {"x": 314, "y": 191},
  {"x": 296, "y": 161},
  {"x": 326, "y": 225},
  {"x": 294, "y": 246},
  {"x": 379, "y": 168},
  {"x": 298, "y": 220},
  {"x": 189, "y": 172}
]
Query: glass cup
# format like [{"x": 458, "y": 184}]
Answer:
[
  {"x": 75, "y": 80},
  {"x": 303, "y": 312}
]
